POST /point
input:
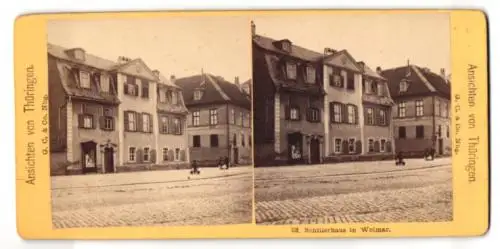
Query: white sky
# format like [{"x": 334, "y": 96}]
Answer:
[{"x": 379, "y": 39}]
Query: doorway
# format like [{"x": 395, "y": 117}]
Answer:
[
  {"x": 109, "y": 165},
  {"x": 440, "y": 146},
  {"x": 315, "y": 153},
  {"x": 295, "y": 147},
  {"x": 235, "y": 155},
  {"x": 88, "y": 160}
]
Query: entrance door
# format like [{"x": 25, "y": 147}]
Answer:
[
  {"x": 108, "y": 160},
  {"x": 235, "y": 155},
  {"x": 88, "y": 161},
  {"x": 440, "y": 146},
  {"x": 315, "y": 157},
  {"x": 295, "y": 147}
]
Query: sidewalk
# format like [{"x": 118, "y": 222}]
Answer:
[
  {"x": 348, "y": 168},
  {"x": 144, "y": 177}
]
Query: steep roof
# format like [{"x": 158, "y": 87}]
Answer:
[
  {"x": 296, "y": 51},
  {"x": 421, "y": 82},
  {"x": 90, "y": 60},
  {"x": 215, "y": 90}
]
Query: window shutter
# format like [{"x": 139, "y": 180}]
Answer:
[
  {"x": 93, "y": 121},
  {"x": 376, "y": 146},
  {"x": 138, "y": 121},
  {"x": 170, "y": 127},
  {"x": 183, "y": 155},
  {"x": 359, "y": 146},
  {"x": 112, "y": 123},
  {"x": 308, "y": 114},
  {"x": 331, "y": 79},
  {"x": 136, "y": 90},
  {"x": 152, "y": 156},
  {"x": 101, "y": 122},
  {"x": 76, "y": 76},
  {"x": 125, "y": 120},
  {"x": 332, "y": 118},
  {"x": 160, "y": 125},
  {"x": 365, "y": 113},
  {"x": 287, "y": 112},
  {"x": 345, "y": 147},
  {"x": 80, "y": 120},
  {"x": 344, "y": 113},
  {"x": 150, "y": 117},
  {"x": 138, "y": 157},
  {"x": 125, "y": 88},
  {"x": 356, "y": 115}
]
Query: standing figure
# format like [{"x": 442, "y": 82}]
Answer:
[
  {"x": 400, "y": 159},
  {"x": 194, "y": 166}
]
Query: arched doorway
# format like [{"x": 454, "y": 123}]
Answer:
[{"x": 88, "y": 160}]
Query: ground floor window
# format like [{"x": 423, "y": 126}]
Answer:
[
  {"x": 177, "y": 154},
  {"x": 382, "y": 145},
  {"x": 337, "y": 147},
  {"x": 145, "y": 155},
  {"x": 351, "y": 144},
  {"x": 371, "y": 147},
  {"x": 165, "y": 154},
  {"x": 131, "y": 154}
]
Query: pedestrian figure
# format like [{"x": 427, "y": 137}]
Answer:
[
  {"x": 400, "y": 159},
  {"x": 222, "y": 164},
  {"x": 194, "y": 170},
  {"x": 429, "y": 154},
  {"x": 226, "y": 162}
]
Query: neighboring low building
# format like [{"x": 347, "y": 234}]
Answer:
[
  {"x": 219, "y": 121},
  {"x": 421, "y": 114}
]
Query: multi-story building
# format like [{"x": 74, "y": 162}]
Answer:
[
  {"x": 172, "y": 146},
  {"x": 421, "y": 114},
  {"x": 105, "y": 116},
  {"x": 288, "y": 103},
  {"x": 83, "y": 110},
  {"x": 218, "y": 125}
]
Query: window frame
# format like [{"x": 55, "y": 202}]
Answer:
[
  {"x": 382, "y": 144},
  {"x": 335, "y": 151},
  {"x": 214, "y": 140},
  {"x": 351, "y": 108},
  {"x": 132, "y": 156},
  {"x": 213, "y": 117},
  {"x": 195, "y": 118},
  {"x": 421, "y": 133},
  {"x": 297, "y": 112},
  {"x": 371, "y": 146},
  {"x": 146, "y": 156},
  {"x": 81, "y": 73},
  {"x": 196, "y": 144},
  {"x": 310, "y": 74},
  {"x": 291, "y": 70},
  {"x": 402, "y": 109},
  {"x": 370, "y": 117},
  {"x": 353, "y": 139},
  {"x": 337, "y": 114},
  {"x": 382, "y": 117},
  {"x": 419, "y": 107}
]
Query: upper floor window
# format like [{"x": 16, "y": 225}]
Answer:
[
  {"x": 213, "y": 117},
  {"x": 232, "y": 117},
  {"x": 197, "y": 94},
  {"x": 161, "y": 95},
  {"x": 444, "y": 112},
  {"x": 175, "y": 97},
  {"x": 369, "y": 116},
  {"x": 310, "y": 74},
  {"x": 294, "y": 113},
  {"x": 145, "y": 154},
  {"x": 104, "y": 82},
  {"x": 86, "y": 121},
  {"x": 380, "y": 89},
  {"x": 145, "y": 89},
  {"x": 419, "y": 108},
  {"x": 382, "y": 117},
  {"x": 402, "y": 132},
  {"x": 350, "y": 81},
  {"x": 403, "y": 86},
  {"x": 131, "y": 121},
  {"x": 402, "y": 109},
  {"x": 438, "y": 107},
  {"x": 336, "y": 78},
  {"x": 247, "y": 124},
  {"x": 313, "y": 115},
  {"x": 131, "y": 87},
  {"x": 368, "y": 86},
  {"x": 177, "y": 126},
  {"x": 196, "y": 118},
  {"x": 351, "y": 114},
  {"x": 84, "y": 79},
  {"x": 291, "y": 71},
  {"x": 337, "y": 113},
  {"x": 146, "y": 122},
  {"x": 164, "y": 125}
]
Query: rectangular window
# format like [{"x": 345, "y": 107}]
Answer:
[
  {"x": 161, "y": 95},
  {"x": 351, "y": 145},
  {"x": 241, "y": 119},
  {"x": 311, "y": 75},
  {"x": 444, "y": 112},
  {"x": 145, "y": 154},
  {"x": 351, "y": 114},
  {"x": 131, "y": 90},
  {"x": 368, "y": 86},
  {"x": 108, "y": 123},
  {"x": 214, "y": 140},
  {"x": 337, "y": 145},
  {"x": 380, "y": 89},
  {"x": 337, "y": 113},
  {"x": 145, "y": 88},
  {"x": 196, "y": 141},
  {"x": 175, "y": 98},
  {"x": 242, "y": 140},
  {"x": 336, "y": 80},
  {"x": 84, "y": 79},
  {"x": 196, "y": 118},
  {"x": 402, "y": 109},
  {"x": 314, "y": 115},
  {"x": 131, "y": 154},
  {"x": 420, "y": 131},
  {"x": 369, "y": 116},
  {"x": 177, "y": 154},
  {"x": 447, "y": 131},
  {"x": 419, "y": 108},
  {"x": 248, "y": 120},
  {"x": 197, "y": 95},
  {"x": 438, "y": 107},
  {"x": 164, "y": 124},
  {"x": 104, "y": 81},
  {"x": 382, "y": 117},
  {"x": 382, "y": 145},
  {"x": 350, "y": 81},
  {"x": 145, "y": 122},
  {"x": 291, "y": 71},
  {"x": 88, "y": 121},
  {"x": 213, "y": 117},
  {"x": 371, "y": 147},
  {"x": 165, "y": 154},
  {"x": 177, "y": 126},
  {"x": 131, "y": 121},
  {"x": 403, "y": 86},
  {"x": 294, "y": 113},
  {"x": 402, "y": 132},
  {"x": 232, "y": 117},
  {"x": 439, "y": 131}
]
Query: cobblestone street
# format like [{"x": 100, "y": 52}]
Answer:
[
  {"x": 153, "y": 198},
  {"x": 355, "y": 192}
]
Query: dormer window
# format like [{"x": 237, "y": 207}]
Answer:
[
  {"x": 175, "y": 98},
  {"x": 197, "y": 94},
  {"x": 380, "y": 89},
  {"x": 310, "y": 75},
  {"x": 403, "y": 86},
  {"x": 291, "y": 71},
  {"x": 84, "y": 79},
  {"x": 104, "y": 81},
  {"x": 79, "y": 54},
  {"x": 285, "y": 45},
  {"x": 368, "y": 86}
]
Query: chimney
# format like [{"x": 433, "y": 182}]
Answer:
[
  {"x": 253, "y": 28},
  {"x": 362, "y": 65},
  {"x": 156, "y": 73},
  {"x": 443, "y": 73},
  {"x": 379, "y": 70},
  {"x": 123, "y": 60},
  {"x": 237, "y": 80},
  {"x": 329, "y": 51},
  {"x": 172, "y": 79},
  {"x": 76, "y": 53}
]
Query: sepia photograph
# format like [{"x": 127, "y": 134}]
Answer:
[
  {"x": 352, "y": 118},
  {"x": 150, "y": 121}
]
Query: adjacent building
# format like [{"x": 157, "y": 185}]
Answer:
[
  {"x": 421, "y": 114},
  {"x": 288, "y": 103},
  {"x": 106, "y": 116},
  {"x": 219, "y": 123}
]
